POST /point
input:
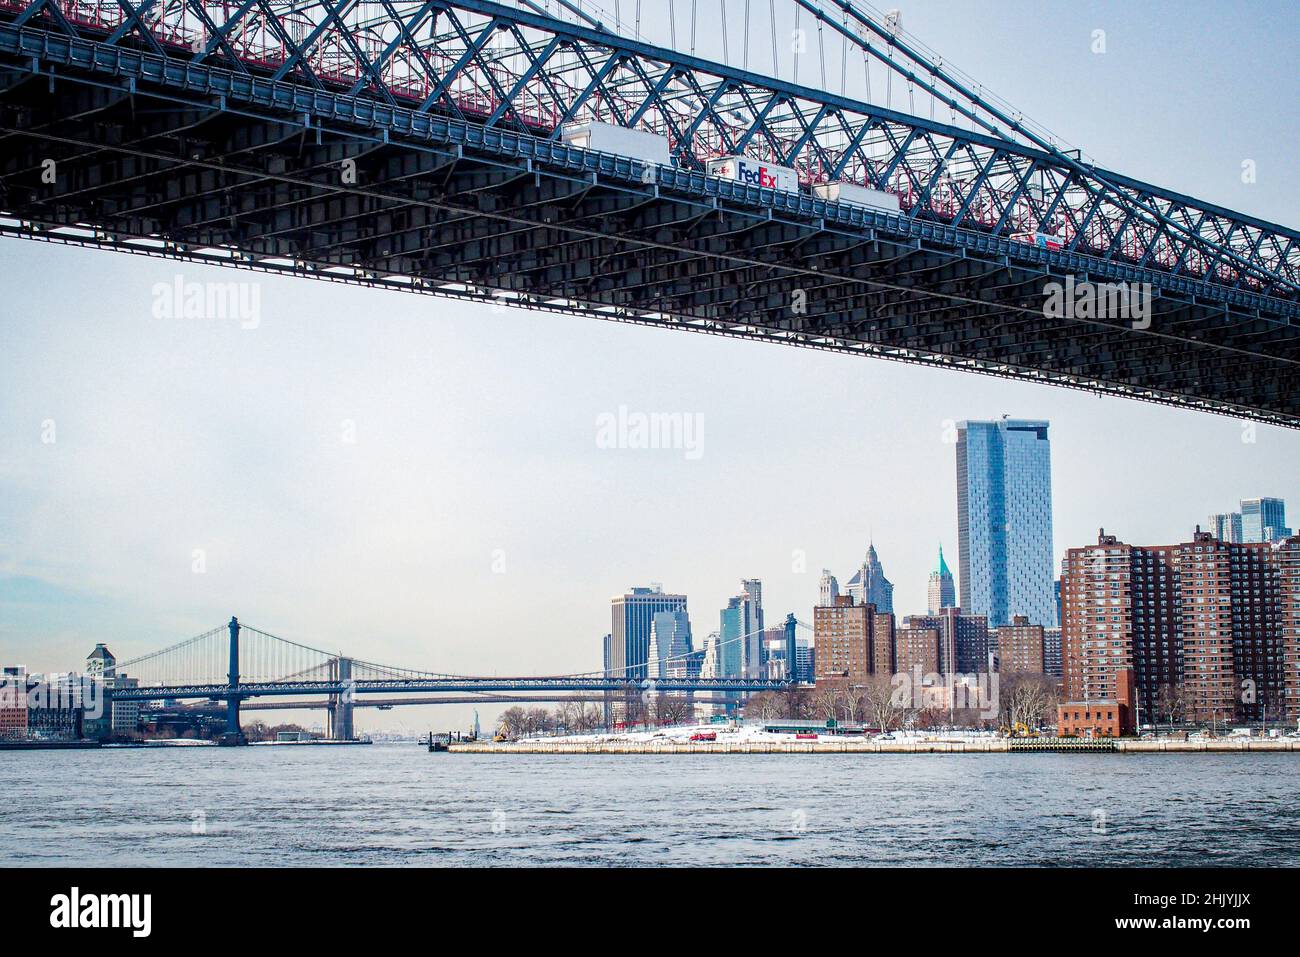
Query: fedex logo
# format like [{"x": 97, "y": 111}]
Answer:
[{"x": 755, "y": 174}]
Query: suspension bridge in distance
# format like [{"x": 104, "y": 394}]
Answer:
[
  {"x": 421, "y": 146},
  {"x": 235, "y": 663}
]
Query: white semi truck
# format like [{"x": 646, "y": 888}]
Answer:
[
  {"x": 653, "y": 148},
  {"x": 609, "y": 138},
  {"x": 858, "y": 196},
  {"x": 753, "y": 172}
]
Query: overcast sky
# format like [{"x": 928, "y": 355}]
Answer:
[{"x": 476, "y": 525}]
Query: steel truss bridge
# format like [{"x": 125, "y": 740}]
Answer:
[
  {"x": 415, "y": 145},
  {"x": 237, "y": 662}
]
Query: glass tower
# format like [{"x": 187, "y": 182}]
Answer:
[
  {"x": 1004, "y": 521},
  {"x": 1263, "y": 520}
]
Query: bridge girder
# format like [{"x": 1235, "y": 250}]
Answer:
[{"x": 482, "y": 204}]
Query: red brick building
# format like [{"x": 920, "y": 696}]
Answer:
[
  {"x": 1019, "y": 647},
  {"x": 1103, "y": 718},
  {"x": 852, "y": 641},
  {"x": 1201, "y": 622}
]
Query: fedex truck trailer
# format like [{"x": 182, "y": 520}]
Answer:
[
  {"x": 753, "y": 172},
  {"x": 858, "y": 196},
  {"x": 609, "y": 138}
]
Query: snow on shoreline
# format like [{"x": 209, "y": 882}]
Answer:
[{"x": 746, "y": 733}]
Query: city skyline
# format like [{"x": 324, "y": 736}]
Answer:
[{"x": 475, "y": 428}]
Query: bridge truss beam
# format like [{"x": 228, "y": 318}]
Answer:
[{"x": 463, "y": 189}]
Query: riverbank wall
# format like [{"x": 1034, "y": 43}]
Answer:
[{"x": 859, "y": 746}]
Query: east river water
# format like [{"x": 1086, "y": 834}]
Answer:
[{"x": 400, "y": 805}]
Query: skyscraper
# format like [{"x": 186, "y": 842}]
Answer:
[
  {"x": 1004, "y": 520},
  {"x": 740, "y": 635},
  {"x": 829, "y": 589},
  {"x": 1226, "y": 527},
  {"x": 632, "y": 615},
  {"x": 1263, "y": 520},
  {"x": 670, "y": 644},
  {"x": 942, "y": 592},
  {"x": 869, "y": 586}
]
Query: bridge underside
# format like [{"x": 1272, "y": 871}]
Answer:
[{"x": 333, "y": 187}]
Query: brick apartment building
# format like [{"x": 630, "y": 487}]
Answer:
[
  {"x": 963, "y": 639},
  {"x": 916, "y": 648},
  {"x": 1204, "y": 621},
  {"x": 1019, "y": 647},
  {"x": 853, "y": 642}
]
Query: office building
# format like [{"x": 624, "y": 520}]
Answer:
[
  {"x": 1263, "y": 520},
  {"x": 670, "y": 644},
  {"x": 740, "y": 634},
  {"x": 632, "y": 615},
  {"x": 1004, "y": 520},
  {"x": 1226, "y": 527},
  {"x": 942, "y": 592},
  {"x": 869, "y": 586},
  {"x": 829, "y": 589}
]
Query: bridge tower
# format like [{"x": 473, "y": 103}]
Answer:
[
  {"x": 791, "y": 649},
  {"x": 342, "y": 704},
  {"x": 234, "y": 732}
]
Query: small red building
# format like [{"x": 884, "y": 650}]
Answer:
[{"x": 1103, "y": 718}]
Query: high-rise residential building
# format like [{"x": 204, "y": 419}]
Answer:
[
  {"x": 1226, "y": 526},
  {"x": 869, "y": 586},
  {"x": 1286, "y": 560},
  {"x": 916, "y": 649},
  {"x": 1263, "y": 520},
  {"x": 829, "y": 589},
  {"x": 852, "y": 641},
  {"x": 1052, "y": 651},
  {"x": 1201, "y": 623},
  {"x": 632, "y": 616},
  {"x": 1004, "y": 520},
  {"x": 963, "y": 639},
  {"x": 1020, "y": 647},
  {"x": 942, "y": 593}
]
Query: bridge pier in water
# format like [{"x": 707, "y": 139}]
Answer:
[
  {"x": 234, "y": 732},
  {"x": 341, "y": 708}
]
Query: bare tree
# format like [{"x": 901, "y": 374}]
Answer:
[
  {"x": 671, "y": 709},
  {"x": 514, "y": 722},
  {"x": 765, "y": 706},
  {"x": 1171, "y": 704},
  {"x": 797, "y": 702},
  {"x": 1025, "y": 700},
  {"x": 879, "y": 705},
  {"x": 825, "y": 702}
]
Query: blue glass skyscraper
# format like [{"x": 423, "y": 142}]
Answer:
[{"x": 1004, "y": 521}]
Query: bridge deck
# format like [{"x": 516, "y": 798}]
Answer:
[{"x": 163, "y": 152}]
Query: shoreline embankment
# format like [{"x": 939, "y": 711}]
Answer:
[{"x": 859, "y": 746}]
